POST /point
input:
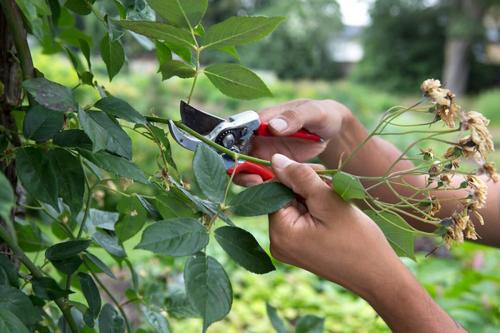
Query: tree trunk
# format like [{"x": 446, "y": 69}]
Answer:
[
  {"x": 456, "y": 65},
  {"x": 458, "y": 46},
  {"x": 10, "y": 97}
]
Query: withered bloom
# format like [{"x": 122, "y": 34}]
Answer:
[
  {"x": 443, "y": 99},
  {"x": 488, "y": 168},
  {"x": 479, "y": 191},
  {"x": 480, "y": 135}
]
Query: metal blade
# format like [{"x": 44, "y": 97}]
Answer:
[
  {"x": 185, "y": 140},
  {"x": 197, "y": 120}
]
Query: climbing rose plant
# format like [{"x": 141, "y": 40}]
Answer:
[{"x": 66, "y": 155}]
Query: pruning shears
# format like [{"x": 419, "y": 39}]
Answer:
[{"x": 234, "y": 133}]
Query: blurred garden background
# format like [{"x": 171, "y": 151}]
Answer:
[{"x": 369, "y": 55}]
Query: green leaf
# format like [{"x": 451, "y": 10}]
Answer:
[
  {"x": 162, "y": 138},
  {"x": 8, "y": 272},
  {"x": 231, "y": 50},
  {"x": 184, "y": 52},
  {"x": 116, "y": 165},
  {"x": 9, "y": 323},
  {"x": 156, "y": 319},
  {"x": 34, "y": 169},
  {"x": 91, "y": 293},
  {"x": 50, "y": 94},
  {"x": 72, "y": 138},
  {"x": 41, "y": 124},
  {"x": 7, "y": 199},
  {"x": 310, "y": 324},
  {"x": 47, "y": 288},
  {"x": 160, "y": 31},
  {"x": 30, "y": 237},
  {"x": 277, "y": 323},
  {"x": 117, "y": 107},
  {"x": 174, "y": 237},
  {"x": 178, "y": 306},
  {"x": 80, "y": 7},
  {"x": 153, "y": 213},
  {"x": 163, "y": 52},
  {"x": 105, "y": 133},
  {"x": 99, "y": 219},
  {"x": 170, "y": 205},
  {"x": 236, "y": 81},
  {"x": 209, "y": 172},
  {"x": 66, "y": 249},
  {"x": 85, "y": 48},
  {"x": 244, "y": 249},
  {"x": 347, "y": 186},
  {"x": 239, "y": 30},
  {"x": 178, "y": 68},
  {"x": 113, "y": 55},
  {"x": 109, "y": 241},
  {"x": 183, "y": 13},
  {"x": 261, "y": 199},
  {"x": 17, "y": 302},
  {"x": 95, "y": 262},
  {"x": 70, "y": 178},
  {"x": 68, "y": 265},
  {"x": 110, "y": 321},
  {"x": 208, "y": 288},
  {"x": 399, "y": 233},
  {"x": 132, "y": 218}
]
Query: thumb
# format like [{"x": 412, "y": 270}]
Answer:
[
  {"x": 301, "y": 178},
  {"x": 286, "y": 123}
]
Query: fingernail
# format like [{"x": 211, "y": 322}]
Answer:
[
  {"x": 278, "y": 124},
  {"x": 280, "y": 161}
]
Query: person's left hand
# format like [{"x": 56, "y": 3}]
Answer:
[{"x": 321, "y": 117}]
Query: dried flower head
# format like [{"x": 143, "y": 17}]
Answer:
[
  {"x": 479, "y": 192},
  {"x": 446, "y": 108},
  {"x": 427, "y": 154},
  {"x": 445, "y": 179},
  {"x": 478, "y": 126},
  {"x": 470, "y": 231},
  {"x": 489, "y": 169},
  {"x": 435, "y": 206}
]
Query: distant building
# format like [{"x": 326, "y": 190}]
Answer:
[{"x": 346, "y": 47}]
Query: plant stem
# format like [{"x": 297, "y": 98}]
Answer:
[
  {"x": 232, "y": 154},
  {"x": 37, "y": 273},
  {"x": 197, "y": 70}
]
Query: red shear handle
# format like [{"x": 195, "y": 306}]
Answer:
[
  {"x": 253, "y": 168},
  {"x": 263, "y": 130}
]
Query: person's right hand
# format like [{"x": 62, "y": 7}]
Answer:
[
  {"x": 326, "y": 235},
  {"x": 322, "y": 117}
]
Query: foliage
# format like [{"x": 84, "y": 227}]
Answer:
[
  {"x": 70, "y": 151},
  {"x": 306, "y": 57}
]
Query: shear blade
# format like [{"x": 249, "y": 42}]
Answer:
[{"x": 197, "y": 120}]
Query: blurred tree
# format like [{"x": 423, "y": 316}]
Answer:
[
  {"x": 464, "y": 27},
  {"x": 298, "y": 49},
  {"x": 410, "y": 40},
  {"x": 403, "y": 46}
]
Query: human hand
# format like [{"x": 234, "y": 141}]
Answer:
[
  {"x": 328, "y": 236},
  {"x": 322, "y": 117}
]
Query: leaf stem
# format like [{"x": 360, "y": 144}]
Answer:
[{"x": 197, "y": 71}]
